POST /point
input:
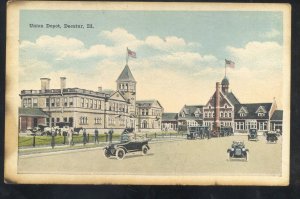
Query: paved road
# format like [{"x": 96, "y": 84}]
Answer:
[{"x": 189, "y": 157}]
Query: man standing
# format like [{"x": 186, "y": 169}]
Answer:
[
  {"x": 84, "y": 137},
  {"x": 96, "y": 136}
]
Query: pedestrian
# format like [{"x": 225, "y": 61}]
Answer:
[
  {"x": 110, "y": 134},
  {"x": 53, "y": 139},
  {"x": 96, "y": 136},
  {"x": 70, "y": 136},
  {"x": 84, "y": 137}
]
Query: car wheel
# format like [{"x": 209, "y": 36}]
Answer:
[
  {"x": 106, "y": 153},
  {"x": 144, "y": 150},
  {"x": 120, "y": 153}
]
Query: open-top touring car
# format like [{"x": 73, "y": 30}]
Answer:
[
  {"x": 129, "y": 142},
  {"x": 238, "y": 151}
]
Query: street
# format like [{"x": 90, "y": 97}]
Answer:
[{"x": 188, "y": 157}]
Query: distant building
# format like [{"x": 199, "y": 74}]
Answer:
[
  {"x": 169, "y": 121},
  {"x": 224, "y": 109},
  {"x": 149, "y": 114},
  {"x": 103, "y": 109}
]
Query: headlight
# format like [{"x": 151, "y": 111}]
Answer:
[
  {"x": 243, "y": 149},
  {"x": 232, "y": 149}
]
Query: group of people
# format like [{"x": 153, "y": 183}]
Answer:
[{"x": 86, "y": 136}]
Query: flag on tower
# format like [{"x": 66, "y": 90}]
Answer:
[
  {"x": 131, "y": 53},
  {"x": 229, "y": 63}
]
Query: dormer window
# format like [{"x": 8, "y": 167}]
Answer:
[
  {"x": 260, "y": 114},
  {"x": 209, "y": 107},
  {"x": 242, "y": 114},
  {"x": 226, "y": 106},
  {"x": 196, "y": 115}
]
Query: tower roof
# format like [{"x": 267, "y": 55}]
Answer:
[
  {"x": 225, "y": 81},
  {"x": 126, "y": 75}
]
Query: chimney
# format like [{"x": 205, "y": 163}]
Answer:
[
  {"x": 99, "y": 88},
  {"x": 62, "y": 83},
  {"x": 45, "y": 84},
  {"x": 217, "y": 107}
]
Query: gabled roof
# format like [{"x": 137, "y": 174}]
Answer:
[
  {"x": 252, "y": 108},
  {"x": 169, "y": 117},
  {"x": 32, "y": 112},
  {"x": 147, "y": 103},
  {"x": 243, "y": 109},
  {"x": 189, "y": 112},
  {"x": 232, "y": 98},
  {"x": 277, "y": 115},
  {"x": 126, "y": 75}
]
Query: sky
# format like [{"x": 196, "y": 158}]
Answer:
[{"x": 180, "y": 55}]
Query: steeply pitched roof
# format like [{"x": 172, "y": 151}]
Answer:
[
  {"x": 232, "y": 98},
  {"x": 189, "y": 112},
  {"x": 169, "y": 117},
  {"x": 252, "y": 108},
  {"x": 126, "y": 75},
  {"x": 32, "y": 112},
  {"x": 277, "y": 115}
]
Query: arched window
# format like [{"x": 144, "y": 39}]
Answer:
[{"x": 144, "y": 124}]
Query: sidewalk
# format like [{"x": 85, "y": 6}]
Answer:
[{"x": 58, "y": 148}]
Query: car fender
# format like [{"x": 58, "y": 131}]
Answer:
[{"x": 228, "y": 150}]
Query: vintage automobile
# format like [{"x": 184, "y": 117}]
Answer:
[
  {"x": 271, "y": 137},
  {"x": 238, "y": 151},
  {"x": 129, "y": 142},
  {"x": 199, "y": 132},
  {"x": 252, "y": 135},
  {"x": 226, "y": 131}
]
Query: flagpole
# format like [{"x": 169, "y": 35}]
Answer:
[
  {"x": 127, "y": 56},
  {"x": 225, "y": 68}
]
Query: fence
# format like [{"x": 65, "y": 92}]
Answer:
[{"x": 38, "y": 141}]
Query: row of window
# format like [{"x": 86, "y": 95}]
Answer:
[
  {"x": 55, "y": 121},
  {"x": 69, "y": 102},
  {"x": 126, "y": 87},
  {"x": 258, "y": 114},
  {"x": 222, "y": 114},
  {"x": 245, "y": 126},
  {"x": 146, "y": 112}
]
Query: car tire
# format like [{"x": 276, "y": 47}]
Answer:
[
  {"x": 144, "y": 150},
  {"x": 106, "y": 153},
  {"x": 120, "y": 154}
]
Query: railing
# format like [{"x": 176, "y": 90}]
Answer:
[{"x": 66, "y": 90}]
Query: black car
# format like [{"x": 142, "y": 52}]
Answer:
[
  {"x": 130, "y": 142},
  {"x": 238, "y": 151},
  {"x": 252, "y": 136},
  {"x": 271, "y": 137},
  {"x": 226, "y": 131},
  {"x": 199, "y": 132}
]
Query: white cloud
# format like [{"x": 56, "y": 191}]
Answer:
[
  {"x": 271, "y": 34},
  {"x": 258, "y": 55}
]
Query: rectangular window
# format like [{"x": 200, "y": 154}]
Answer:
[
  {"x": 29, "y": 102},
  {"x": 35, "y": 102},
  {"x": 57, "y": 119},
  {"x": 47, "y": 121},
  {"x": 82, "y": 102},
  {"x": 47, "y": 102},
  {"x": 65, "y": 119},
  {"x": 52, "y": 122},
  {"x": 52, "y": 102},
  {"x": 25, "y": 102},
  {"x": 71, "y": 101},
  {"x": 57, "y": 102},
  {"x": 86, "y": 103},
  {"x": 65, "y": 101},
  {"x": 91, "y": 103},
  {"x": 146, "y": 111},
  {"x": 95, "y": 104}
]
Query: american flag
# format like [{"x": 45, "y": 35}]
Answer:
[
  {"x": 229, "y": 63},
  {"x": 131, "y": 53}
]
